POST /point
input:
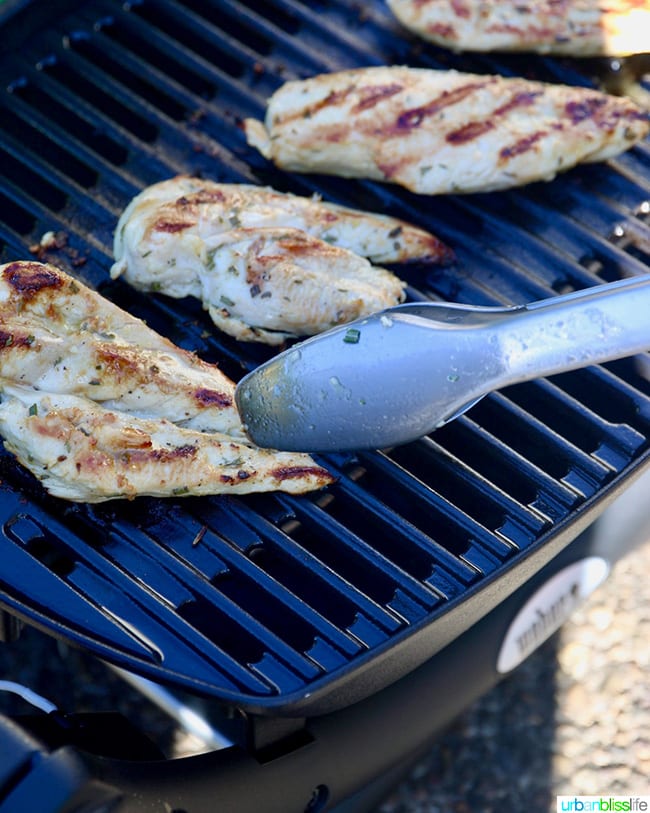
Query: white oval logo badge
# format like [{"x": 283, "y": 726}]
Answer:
[{"x": 548, "y": 608}]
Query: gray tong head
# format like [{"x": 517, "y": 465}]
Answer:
[{"x": 401, "y": 373}]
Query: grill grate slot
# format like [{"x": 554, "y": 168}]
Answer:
[
  {"x": 16, "y": 219},
  {"x": 413, "y": 551},
  {"x": 259, "y": 598},
  {"x": 209, "y": 35},
  {"x": 577, "y": 424},
  {"x": 64, "y": 125},
  {"x": 358, "y": 562},
  {"x": 544, "y": 447},
  {"x": 129, "y": 73},
  {"x": 16, "y": 169},
  {"x": 110, "y": 102},
  {"x": 433, "y": 515},
  {"x": 36, "y": 142},
  {"x": 239, "y": 578},
  {"x": 510, "y": 471}
]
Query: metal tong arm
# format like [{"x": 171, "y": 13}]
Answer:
[
  {"x": 575, "y": 330},
  {"x": 397, "y": 375}
]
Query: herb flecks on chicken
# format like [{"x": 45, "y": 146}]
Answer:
[
  {"x": 577, "y": 28},
  {"x": 98, "y": 406},
  {"x": 437, "y": 132},
  {"x": 266, "y": 265}
]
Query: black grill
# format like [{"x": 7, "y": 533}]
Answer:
[{"x": 274, "y": 601}]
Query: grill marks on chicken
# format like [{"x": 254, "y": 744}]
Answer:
[
  {"x": 568, "y": 27},
  {"x": 268, "y": 285},
  {"x": 60, "y": 336},
  {"x": 83, "y": 452},
  {"x": 441, "y": 131},
  {"x": 97, "y": 405},
  {"x": 266, "y": 265}
]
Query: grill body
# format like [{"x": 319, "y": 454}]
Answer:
[
  {"x": 268, "y": 601},
  {"x": 295, "y": 607}
]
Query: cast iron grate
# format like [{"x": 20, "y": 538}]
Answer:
[{"x": 261, "y": 599}]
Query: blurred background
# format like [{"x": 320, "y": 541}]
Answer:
[{"x": 573, "y": 719}]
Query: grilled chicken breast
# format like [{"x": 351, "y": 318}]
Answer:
[
  {"x": 441, "y": 131},
  {"x": 119, "y": 410},
  {"x": 582, "y": 28},
  {"x": 84, "y": 452},
  {"x": 59, "y": 336},
  {"x": 266, "y": 265}
]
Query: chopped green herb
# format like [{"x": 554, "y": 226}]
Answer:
[
  {"x": 226, "y": 301},
  {"x": 210, "y": 261},
  {"x": 352, "y": 336},
  {"x": 180, "y": 490},
  {"x": 33, "y": 410}
]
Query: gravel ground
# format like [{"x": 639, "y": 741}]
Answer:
[{"x": 573, "y": 719}]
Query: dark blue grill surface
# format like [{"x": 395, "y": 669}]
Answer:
[{"x": 265, "y": 600}]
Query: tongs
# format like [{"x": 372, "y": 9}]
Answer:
[{"x": 401, "y": 373}]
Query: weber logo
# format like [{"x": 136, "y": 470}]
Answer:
[
  {"x": 548, "y": 608},
  {"x": 547, "y": 622}
]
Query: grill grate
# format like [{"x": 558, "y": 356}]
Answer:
[{"x": 266, "y": 599}]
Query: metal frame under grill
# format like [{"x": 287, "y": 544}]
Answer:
[{"x": 273, "y": 602}]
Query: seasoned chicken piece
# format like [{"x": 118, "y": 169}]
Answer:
[
  {"x": 83, "y": 452},
  {"x": 61, "y": 337},
  {"x": 97, "y": 405},
  {"x": 272, "y": 284},
  {"x": 189, "y": 237},
  {"x": 582, "y": 28},
  {"x": 441, "y": 131}
]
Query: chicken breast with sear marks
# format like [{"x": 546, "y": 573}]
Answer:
[
  {"x": 437, "y": 132},
  {"x": 82, "y": 452},
  {"x": 59, "y": 336},
  {"x": 267, "y": 265},
  {"x": 581, "y": 28},
  {"x": 99, "y": 406}
]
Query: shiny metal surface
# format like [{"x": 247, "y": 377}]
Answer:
[{"x": 399, "y": 374}]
